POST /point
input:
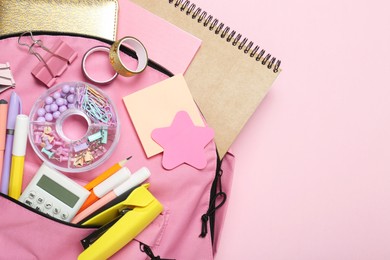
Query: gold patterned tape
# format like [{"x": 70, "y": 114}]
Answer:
[{"x": 117, "y": 62}]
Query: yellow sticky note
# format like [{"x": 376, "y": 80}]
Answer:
[{"x": 156, "y": 106}]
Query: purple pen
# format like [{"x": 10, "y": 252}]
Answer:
[{"x": 14, "y": 109}]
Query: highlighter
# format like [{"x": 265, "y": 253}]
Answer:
[
  {"x": 18, "y": 153},
  {"x": 135, "y": 179},
  {"x": 106, "y": 186}
]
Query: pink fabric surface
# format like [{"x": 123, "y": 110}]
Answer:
[
  {"x": 312, "y": 166},
  {"x": 165, "y": 43}
]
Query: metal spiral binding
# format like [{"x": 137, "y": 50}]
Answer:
[{"x": 227, "y": 33}]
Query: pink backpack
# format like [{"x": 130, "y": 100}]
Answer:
[{"x": 194, "y": 200}]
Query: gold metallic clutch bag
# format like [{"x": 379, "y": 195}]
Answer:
[{"x": 90, "y": 17}]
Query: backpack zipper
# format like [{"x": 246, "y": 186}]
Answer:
[
  {"x": 45, "y": 215},
  {"x": 215, "y": 193},
  {"x": 123, "y": 48}
]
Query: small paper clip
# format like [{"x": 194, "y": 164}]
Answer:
[
  {"x": 54, "y": 63},
  {"x": 6, "y": 78}
]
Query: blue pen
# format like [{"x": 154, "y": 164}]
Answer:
[{"x": 14, "y": 108}]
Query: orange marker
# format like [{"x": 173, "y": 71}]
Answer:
[
  {"x": 113, "y": 169},
  {"x": 106, "y": 186}
]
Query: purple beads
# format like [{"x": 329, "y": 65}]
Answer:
[
  {"x": 47, "y": 108},
  {"x": 60, "y": 101},
  {"x": 65, "y": 89},
  {"x": 57, "y": 103},
  {"x": 62, "y": 108},
  {"x": 71, "y": 106},
  {"x": 41, "y": 119},
  {"x": 53, "y": 107},
  {"x": 41, "y": 112},
  {"x": 56, "y": 114},
  {"x": 49, "y": 117},
  {"x": 70, "y": 98},
  {"x": 49, "y": 100},
  {"x": 56, "y": 95}
]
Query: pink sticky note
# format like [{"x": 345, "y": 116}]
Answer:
[
  {"x": 167, "y": 44},
  {"x": 183, "y": 142}
]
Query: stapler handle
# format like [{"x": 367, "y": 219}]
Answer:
[
  {"x": 91, "y": 238},
  {"x": 145, "y": 209}
]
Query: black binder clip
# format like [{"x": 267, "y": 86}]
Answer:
[
  {"x": 6, "y": 79},
  {"x": 54, "y": 63}
]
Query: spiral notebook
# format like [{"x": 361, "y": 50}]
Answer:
[{"x": 228, "y": 77}]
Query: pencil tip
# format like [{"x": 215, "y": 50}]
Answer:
[{"x": 128, "y": 158}]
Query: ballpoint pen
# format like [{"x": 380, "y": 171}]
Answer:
[
  {"x": 18, "y": 153},
  {"x": 3, "y": 128},
  {"x": 14, "y": 108}
]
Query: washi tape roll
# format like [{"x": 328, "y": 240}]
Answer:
[
  {"x": 93, "y": 127},
  {"x": 117, "y": 62},
  {"x": 84, "y": 67}
]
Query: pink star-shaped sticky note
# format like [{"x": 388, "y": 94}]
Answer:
[{"x": 183, "y": 142}]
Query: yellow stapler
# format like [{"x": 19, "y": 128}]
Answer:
[{"x": 121, "y": 223}]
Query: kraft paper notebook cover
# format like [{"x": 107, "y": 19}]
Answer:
[
  {"x": 90, "y": 17},
  {"x": 228, "y": 77}
]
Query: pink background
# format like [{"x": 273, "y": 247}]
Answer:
[{"x": 312, "y": 178}]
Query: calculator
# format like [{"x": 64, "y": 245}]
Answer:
[{"x": 53, "y": 193}]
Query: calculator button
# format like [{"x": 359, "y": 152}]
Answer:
[
  {"x": 56, "y": 210},
  {"x": 28, "y": 202},
  {"x": 32, "y": 195},
  {"x": 48, "y": 205},
  {"x": 39, "y": 208},
  {"x": 64, "y": 215},
  {"x": 40, "y": 200}
]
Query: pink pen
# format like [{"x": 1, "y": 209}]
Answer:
[
  {"x": 3, "y": 129},
  {"x": 135, "y": 179}
]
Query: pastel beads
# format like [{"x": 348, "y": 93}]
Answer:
[{"x": 56, "y": 104}]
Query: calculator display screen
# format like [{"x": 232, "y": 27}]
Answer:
[{"x": 57, "y": 191}]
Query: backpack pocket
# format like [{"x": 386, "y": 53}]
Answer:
[
  {"x": 147, "y": 242},
  {"x": 29, "y": 234}
]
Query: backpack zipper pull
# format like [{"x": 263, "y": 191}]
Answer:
[
  {"x": 211, "y": 211},
  {"x": 148, "y": 251}
]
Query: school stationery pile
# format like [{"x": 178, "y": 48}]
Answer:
[{"x": 69, "y": 181}]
